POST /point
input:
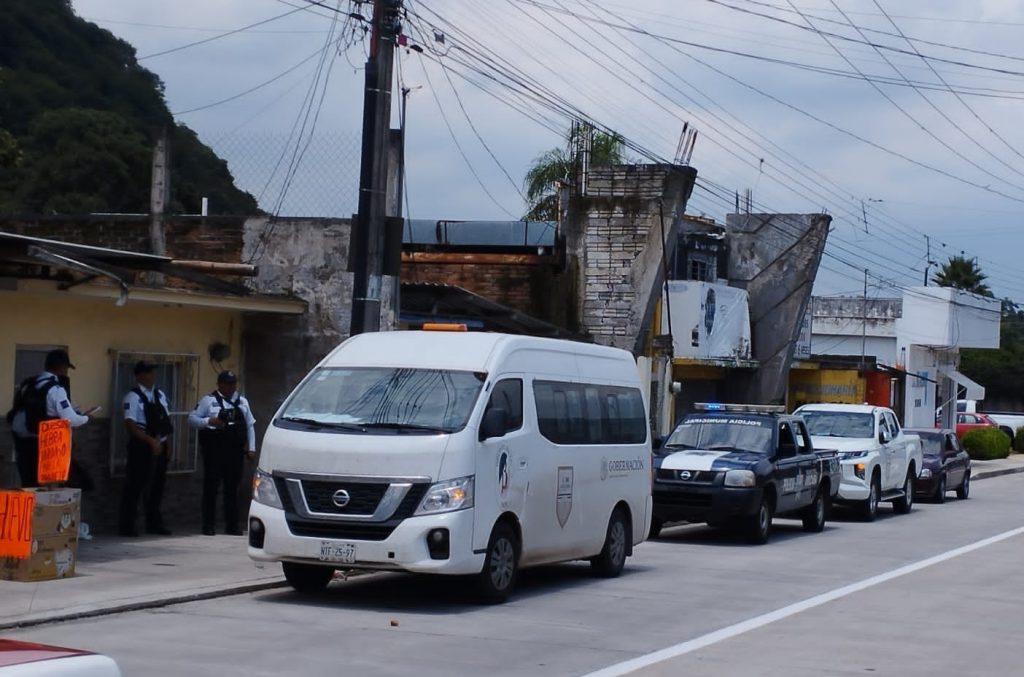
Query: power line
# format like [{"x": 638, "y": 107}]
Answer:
[
  {"x": 218, "y": 36},
  {"x": 251, "y": 89}
]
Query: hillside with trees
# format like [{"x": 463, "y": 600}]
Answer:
[{"x": 79, "y": 118}]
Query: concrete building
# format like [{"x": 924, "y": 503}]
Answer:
[
  {"x": 903, "y": 352},
  {"x": 98, "y": 304}
]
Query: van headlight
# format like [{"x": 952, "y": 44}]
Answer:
[
  {"x": 740, "y": 478},
  {"x": 264, "y": 490},
  {"x": 447, "y": 497}
]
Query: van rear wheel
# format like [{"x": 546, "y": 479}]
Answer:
[
  {"x": 501, "y": 566},
  {"x": 307, "y": 577},
  {"x": 612, "y": 558}
]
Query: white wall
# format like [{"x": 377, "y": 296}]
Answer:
[{"x": 944, "y": 317}]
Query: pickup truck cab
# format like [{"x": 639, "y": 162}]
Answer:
[
  {"x": 735, "y": 464},
  {"x": 880, "y": 462}
]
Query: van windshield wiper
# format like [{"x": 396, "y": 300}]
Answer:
[
  {"x": 324, "y": 424},
  {"x": 406, "y": 426}
]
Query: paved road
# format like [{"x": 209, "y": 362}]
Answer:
[{"x": 963, "y": 611}]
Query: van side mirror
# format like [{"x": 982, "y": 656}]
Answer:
[{"x": 494, "y": 423}]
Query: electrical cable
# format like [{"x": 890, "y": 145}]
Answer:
[{"x": 172, "y": 50}]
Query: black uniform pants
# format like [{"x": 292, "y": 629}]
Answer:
[
  {"x": 222, "y": 466},
  {"x": 145, "y": 474},
  {"x": 26, "y": 449}
]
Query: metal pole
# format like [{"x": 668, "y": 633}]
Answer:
[
  {"x": 864, "y": 321},
  {"x": 368, "y": 233}
]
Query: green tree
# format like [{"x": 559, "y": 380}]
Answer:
[
  {"x": 84, "y": 116},
  {"x": 1001, "y": 370},
  {"x": 80, "y": 161},
  {"x": 558, "y": 164},
  {"x": 962, "y": 273}
]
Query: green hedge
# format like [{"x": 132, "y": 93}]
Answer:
[
  {"x": 986, "y": 443},
  {"x": 1018, "y": 439}
]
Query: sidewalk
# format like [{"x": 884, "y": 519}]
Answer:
[
  {"x": 124, "y": 574},
  {"x": 116, "y": 574}
]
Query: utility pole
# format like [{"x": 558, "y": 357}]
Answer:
[
  {"x": 864, "y": 321},
  {"x": 366, "y": 255},
  {"x": 928, "y": 263}
]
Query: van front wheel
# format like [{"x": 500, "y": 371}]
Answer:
[
  {"x": 612, "y": 558},
  {"x": 501, "y": 566}
]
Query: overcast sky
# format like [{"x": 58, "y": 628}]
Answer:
[{"x": 928, "y": 162}]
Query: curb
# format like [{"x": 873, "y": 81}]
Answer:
[
  {"x": 148, "y": 604},
  {"x": 986, "y": 474}
]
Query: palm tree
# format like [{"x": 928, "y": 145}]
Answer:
[
  {"x": 963, "y": 273},
  {"x": 558, "y": 164}
]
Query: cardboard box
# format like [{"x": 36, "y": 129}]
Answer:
[
  {"x": 51, "y": 558},
  {"x": 54, "y": 538}
]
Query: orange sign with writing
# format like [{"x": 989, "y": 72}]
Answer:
[
  {"x": 54, "y": 451},
  {"x": 16, "y": 523}
]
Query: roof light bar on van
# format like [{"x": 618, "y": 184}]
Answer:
[
  {"x": 748, "y": 408},
  {"x": 444, "y": 326}
]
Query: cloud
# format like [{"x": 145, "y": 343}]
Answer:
[{"x": 644, "y": 88}]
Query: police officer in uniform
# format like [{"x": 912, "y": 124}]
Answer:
[
  {"x": 41, "y": 398},
  {"x": 227, "y": 434},
  {"x": 147, "y": 420}
]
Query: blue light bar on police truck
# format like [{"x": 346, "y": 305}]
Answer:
[{"x": 745, "y": 408}]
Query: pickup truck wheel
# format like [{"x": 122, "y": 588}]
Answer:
[
  {"x": 869, "y": 506},
  {"x": 657, "y": 524},
  {"x": 307, "y": 577},
  {"x": 904, "y": 505},
  {"x": 814, "y": 514},
  {"x": 964, "y": 490},
  {"x": 612, "y": 558},
  {"x": 759, "y": 525},
  {"x": 940, "y": 491}
]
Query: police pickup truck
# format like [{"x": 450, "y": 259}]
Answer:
[{"x": 740, "y": 465}]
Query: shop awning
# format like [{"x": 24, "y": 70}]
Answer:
[{"x": 974, "y": 390}]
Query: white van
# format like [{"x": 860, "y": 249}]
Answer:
[{"x": 455, "y": 453}]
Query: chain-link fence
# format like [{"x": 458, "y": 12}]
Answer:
[{"x": 318, "y": 178}]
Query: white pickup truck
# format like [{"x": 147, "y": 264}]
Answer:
[{"x": 880, "y": 462}]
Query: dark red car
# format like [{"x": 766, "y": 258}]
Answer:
[
  {"x": 965, "y": 422},
  {"x": 946, "y": 466}
]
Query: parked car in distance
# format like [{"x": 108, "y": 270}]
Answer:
[
  {"x": 965, "y": 422},
  {"x": 946, "y": 466},
  {"x": 1007, "y": 421},
  {"x": 28, "y": 659}
]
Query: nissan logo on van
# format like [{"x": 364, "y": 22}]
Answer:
[{"x": 340, "y": 498}]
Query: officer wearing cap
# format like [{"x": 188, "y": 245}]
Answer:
[
  {"x": 41, "y": 398},
  {"x": 148, "y": 423},
  {"x": 227, "y": 434}
]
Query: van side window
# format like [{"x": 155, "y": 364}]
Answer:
[
  {"x": 508, "y": 394},
  {"x": 583, "y": 413}
]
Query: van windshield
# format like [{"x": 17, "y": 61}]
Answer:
[{"x": 364, "y": 399}]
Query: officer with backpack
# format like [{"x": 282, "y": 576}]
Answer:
[
  {"x": 148, "y": 422},
  {"x": 40, "y": 398},
  {"x": 227, "y": 434}
]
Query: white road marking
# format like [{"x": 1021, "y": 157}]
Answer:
[{"x": 748, "y": 625}]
